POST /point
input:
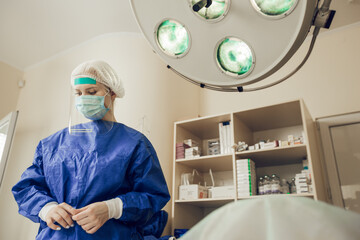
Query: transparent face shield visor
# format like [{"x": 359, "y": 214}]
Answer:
[{"x": 91, "y": 108}]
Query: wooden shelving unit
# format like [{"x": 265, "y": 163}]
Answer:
[{"x": 251, "y": 126}]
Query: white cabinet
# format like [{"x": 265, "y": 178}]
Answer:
[{"x": 250, "y": 126}]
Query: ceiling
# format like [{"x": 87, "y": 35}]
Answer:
[{"x": 33, "y": 31}]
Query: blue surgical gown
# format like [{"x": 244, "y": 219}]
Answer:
[{"x": 80, "y": 170}]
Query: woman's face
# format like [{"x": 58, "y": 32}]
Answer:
[{"x": 97, "y": 89}]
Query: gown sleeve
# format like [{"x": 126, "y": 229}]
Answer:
[
  {"x": 149, "y": 192},
  {"x": 31, "y": 192}
]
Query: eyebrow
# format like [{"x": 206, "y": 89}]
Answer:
[{"x": 87, "y": 89}]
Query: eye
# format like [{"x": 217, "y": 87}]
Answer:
[
  {"x": 77, "y": 94},
  {"x": 92, "y": 92}
]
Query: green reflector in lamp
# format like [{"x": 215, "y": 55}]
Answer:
[
  {"x": 217, "y": 9},
  {"x": 274, "y": 7},
  {"x": 172, "y": 37},
  {"x": 235, "y": 57}
]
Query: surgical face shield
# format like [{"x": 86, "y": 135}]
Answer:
[{"x": 91, "y": 110}]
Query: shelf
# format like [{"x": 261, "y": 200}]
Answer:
[
  {"x": 275, "y": 156},
  {"x": 207, "y": 202},
  {"x": 311, "y": 195},
  {"x": 271, "y": 117},
  {"x": 204, "y": 163},
  {"x": 204, "y": 127}
]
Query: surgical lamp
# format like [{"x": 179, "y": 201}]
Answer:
[{"x": 227, "y": 45}]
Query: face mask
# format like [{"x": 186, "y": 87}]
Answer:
[{"x": 92, "y": 107}]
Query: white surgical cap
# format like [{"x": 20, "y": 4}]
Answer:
[{"x": 102, "y": 72}]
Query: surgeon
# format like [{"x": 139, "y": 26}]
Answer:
[{"x": 96, "y": 179}]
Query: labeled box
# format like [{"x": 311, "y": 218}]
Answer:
[
  {"x": 223, "y": 192},
  {"x": 192, "y": 192}
]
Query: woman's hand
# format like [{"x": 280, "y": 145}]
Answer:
[
  {"x": 92, "y": 217},
  {"x": 62, "y": 215}
]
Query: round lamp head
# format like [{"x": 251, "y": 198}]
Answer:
[
  {"x": 172, "y": 38},
  {"x": 274, "y": 8},
  {"x": 215, "y": 12},
  {"x": 234, "y": 57}
]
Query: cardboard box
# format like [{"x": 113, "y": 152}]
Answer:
[
  {"x": 192, "y": 192},
  {"x": 223, "y": 192}
]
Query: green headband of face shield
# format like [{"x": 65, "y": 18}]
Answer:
[{"x": 84, "y": 80}]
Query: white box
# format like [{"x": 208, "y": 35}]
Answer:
[
  {"x": 246, "y": 187},
  {"x": 241, "y": 187},
  {"x": 245, "y": 181},
  {"x": 239, "y": 172},
  {"x": 246, "y": 194},
  {"x": 244, "y": 191},
  {"x": 245, "y": 175},
  {"x": 300, "y": 175},
  {"x": 245, "y": 169},
  {"x": 245, "y": 164},
  {"x": 223, "y": 192},
  {"x": 268, "y": 145},
  {"x": 246, "y": 172},
  {"x": 243, "y": 195},
  {"x": 246, "y": 160},
  {"x": 242, "y": 166},
  {"x": 302, "y": 189},
  {"x": 302, "y": 182},
  {"x": 191, "y": 142},
  {"x": 192, "y": 149},
  {"x": 192, "y": 191}
]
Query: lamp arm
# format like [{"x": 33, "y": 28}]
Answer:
[
  {"x": 325, "y": 6},
  {"x": 324, "y": 16},
  {"x": 315, "y": 34}
]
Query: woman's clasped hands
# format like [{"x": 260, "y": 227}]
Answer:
[{"x": 90, "y": 217}]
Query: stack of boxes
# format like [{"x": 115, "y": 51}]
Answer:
[
  {"x": 193, "y": 150},
  {"x": 213, "y": 147},
  {"x": 301, "y": 183},
  {"x": 303, "y": 179},
  {"x": 180, "y": 150},
  {"x": 246, "y": 177},
  {"x": 187, "y": 149},
  {"x": 295, "y": 140}
]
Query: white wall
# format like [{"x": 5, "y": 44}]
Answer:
[
  {"x": 329, "y": 82},
  {"x": 151, "y": 91},
  {"x": 9, "y": 90}
]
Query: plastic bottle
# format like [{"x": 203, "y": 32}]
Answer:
[
  {"x": 292, "y": 186},
  {"x": 275, "y": 184},
  {"x": 267, "y": 185},
  {"x": 284, "y": 186},
  {"x": 261, "y": 186}
]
